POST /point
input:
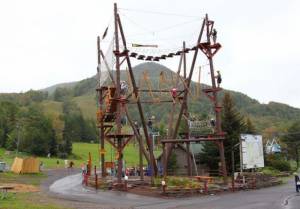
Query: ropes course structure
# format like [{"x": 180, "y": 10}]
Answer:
[{"x": 114, "y": 96}]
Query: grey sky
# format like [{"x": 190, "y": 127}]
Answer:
[{"x": 45, "y": 42}]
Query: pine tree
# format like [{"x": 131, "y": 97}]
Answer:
[
  {"x": 233, "y": 124},
  {"x": 53, "y": 144},
  {"x": 292, "y": 140},
  {"x": 249, "y": 127}
]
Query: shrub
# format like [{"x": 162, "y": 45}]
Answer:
[
  {"x": 278, "y": 162},
  {"x": 270, "y": 171},
  {"x": 281, "y": 165}
]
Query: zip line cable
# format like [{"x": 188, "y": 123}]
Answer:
[
  {"x": 135, "y": 23},
  {"x": 160, "y": 13},
  {"x": 158, "y": 30}
]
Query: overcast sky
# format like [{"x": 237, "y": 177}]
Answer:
[{"x": 45, "y": 42}]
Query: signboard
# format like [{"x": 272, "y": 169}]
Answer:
[
  {"x": 252, "y": 151},
  {"x": 273, "y": 147},
  {"x": 102, "y": 151}
]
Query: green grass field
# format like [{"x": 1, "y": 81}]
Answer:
[
  {"x": 27, "y": 200},
  {"x": 80, "y": 155}
]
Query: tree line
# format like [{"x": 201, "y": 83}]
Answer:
[
  {"x": 26, "y": 128},
  {"x": 234, "y": 124}
]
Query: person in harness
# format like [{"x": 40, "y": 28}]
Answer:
[
  {"x": 219, "y": 78},
  {"x": 123, "y": 87},
  {"x": 214, "y": 35},
  {"x": 174, "y": 94}
]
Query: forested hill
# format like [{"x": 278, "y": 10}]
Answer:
[{"x": 83, "y": 94}]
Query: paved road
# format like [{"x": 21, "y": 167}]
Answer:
[{"x": 279, "y": 197}]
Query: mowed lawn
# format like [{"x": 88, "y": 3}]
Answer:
[
  {"x": 80, "y": 155},
  {"x": 131, "y": 153}
]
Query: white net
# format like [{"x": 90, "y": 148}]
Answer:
[
  {"x": 197, "y": 124},
  {"x": 107, "y": 64}
]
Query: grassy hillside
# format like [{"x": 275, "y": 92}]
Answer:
[
  {"x": 87, "y": 104},
  {"x": 51, "y": 89},
  {"x": 263, "y": 115},
  {"x": 83, "y": 93}
]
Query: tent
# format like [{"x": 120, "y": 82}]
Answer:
[{"x": 25, "y": 165}]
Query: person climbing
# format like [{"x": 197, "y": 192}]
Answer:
[
  {"x": 123, "y": 87},
  {"x": 214, "y": 35},
  {"x": 219, "y": 78},
  {"x": 212, "y": 122},
  {"x": 149, "y": 124},
  {"x": 137, "y": 127},
  {"x": 174, "y": 94}
]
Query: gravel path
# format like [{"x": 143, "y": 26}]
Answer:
[
  {"x": 46, "y": 195},
  {"x": 70, "y": 189}
]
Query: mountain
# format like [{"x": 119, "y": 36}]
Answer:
[
  {"x": 149, "y": 76},
  {"x": 51, "y": 89}
]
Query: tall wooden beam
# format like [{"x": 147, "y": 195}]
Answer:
[
  {"x": 117, "y": 93},
  {"x": 217, "y": 106},
  {"x": 140, "y": 109},
  {"x": 172, "y": 112},
  {"x": 100, "y": 102},
  {"x": 169, "y": 150},
  {"x": 186, "y": 116}
]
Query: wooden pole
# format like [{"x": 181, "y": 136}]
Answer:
[
  {"x": 100, "y": 100},
  {"x": 117, "y": 95},
  {"x": 186, "y": 92},
  {"x": 140, "y": 109},
  {"x": 186, "y": 114},
  {"x": 218, "y": 128}
]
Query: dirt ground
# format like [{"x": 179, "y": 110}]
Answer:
[{"x": 21, "y": 187}]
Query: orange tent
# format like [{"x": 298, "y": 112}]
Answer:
[{"x": 26, "y": 165}]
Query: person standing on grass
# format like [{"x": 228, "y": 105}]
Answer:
[
  {"x": 71, "y": 165},
  {"x": 83, "y": 167}
]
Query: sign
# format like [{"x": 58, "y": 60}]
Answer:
[
  {"x": 273, "y": 147},
  {"x": 102, "y": 151},
  {"x": 252, "y": 151}
]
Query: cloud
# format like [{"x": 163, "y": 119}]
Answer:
[{"x": 48, "y": 42}]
